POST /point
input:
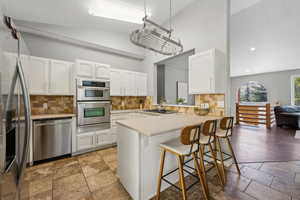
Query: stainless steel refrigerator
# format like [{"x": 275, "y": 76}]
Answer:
[{"x": 15, "y": 116}]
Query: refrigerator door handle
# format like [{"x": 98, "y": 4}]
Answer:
[{"x": 27, "y": 115}]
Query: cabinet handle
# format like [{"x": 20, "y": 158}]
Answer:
[{"x": 210, "y": 83}]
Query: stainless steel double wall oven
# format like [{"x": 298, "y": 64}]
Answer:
[{"x": 93, "y": 102}]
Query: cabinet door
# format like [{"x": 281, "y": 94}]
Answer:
[
  {"x": 38, "y": 72},
  {"x": 102, "y": 71},
  {"x": 85, "y": 69},
  {"x": 128, "y": 83},
  {"x": 85, "y": 141},
  {"x": 103, "y": 138},
  {"x": 115, "y": 83},
  {"x": 141, "y": 84},
  {"x": 60, "y": 77},
  {"x": 201, "y": 73}
]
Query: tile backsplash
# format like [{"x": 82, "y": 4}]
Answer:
[
  {"x": 43, "y": 104},
  {"x": 131, "y": 102},
  {"x": 215, "y": 103}
]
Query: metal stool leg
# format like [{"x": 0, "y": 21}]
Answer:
[
  {"x": 233, "y": 155},
  {"x": 202, "y": 166},
  {"x": 181, "y": 176},
  {"x": 222, "y": 159},
  {"x": 200, "y": 174},
  {"x": 162, "y": 163},
  {"x": 216, "y": 164}
]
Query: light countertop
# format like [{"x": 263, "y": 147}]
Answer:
[
  {"x": 155, "y": 125},
  {"x": 51, "y": 116}
]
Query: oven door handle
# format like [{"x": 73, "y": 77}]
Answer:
[{"x": 95, "y": 88}]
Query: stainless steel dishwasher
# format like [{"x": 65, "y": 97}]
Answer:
[{"x": 51, "y": 138}]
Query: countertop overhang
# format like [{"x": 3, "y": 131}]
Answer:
[{"x": 155, "y": 125}]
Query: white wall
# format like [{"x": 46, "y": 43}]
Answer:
[
  {"x": 112, "y": 39},
  {"x": 202, "y": 25},
  {"x": 272, "y": 27},
  {"x": 49, "y": 48}
]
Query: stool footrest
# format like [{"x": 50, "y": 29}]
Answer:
[{"x": 190, "y": 173}]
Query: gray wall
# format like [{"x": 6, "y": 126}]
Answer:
[
  {"x": 49, "y": 48},
  {"x": 278, "y": 85},
  {"x": 176, "y": 69}
]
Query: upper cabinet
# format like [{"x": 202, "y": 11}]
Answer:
[
  {"x": 37, "y": 72},
  {"x": 127, "y": 83},
  {"x": 92, "y": 70},
  {"x": 141, "y": 84},
  {"x": 207, "y": 72},
  {"x": 44, "y": 76},
  {"x": 60, "y": 77}
]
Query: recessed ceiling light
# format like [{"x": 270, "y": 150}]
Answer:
[
  {"x": 252, "y": 49},
  {"x": 118, "y": 10}
]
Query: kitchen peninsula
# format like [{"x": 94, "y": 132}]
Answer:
[{"x": 139, "y": 151}]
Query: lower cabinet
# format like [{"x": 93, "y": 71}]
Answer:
[
  {"x": 85, "y": 141},
  {"x": 90, "y": 140}
]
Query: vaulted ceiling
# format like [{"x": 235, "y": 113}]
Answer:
[{"x": 75, "y": 12}]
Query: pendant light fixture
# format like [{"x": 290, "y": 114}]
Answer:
[{"x": 155, "y": 37}]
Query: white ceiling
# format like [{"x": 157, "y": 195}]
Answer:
[
  {"x": 239, "y": 5},
  {"x": 75, "y": 12}
]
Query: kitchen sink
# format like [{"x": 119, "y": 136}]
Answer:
[{"x": 161, "y": 111}]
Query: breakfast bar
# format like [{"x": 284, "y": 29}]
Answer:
[{"x": 139, "y": 150}]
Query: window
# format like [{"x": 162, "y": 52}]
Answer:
[
  {"x": 253, "y": 92},
  {"x": 295, "y": 90}
]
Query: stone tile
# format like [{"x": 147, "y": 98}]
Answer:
[
  {"x": 113, "y": 191},
  {"x": 257, "y": 175},
  {"x": 94, "y": 168},
  {"x": 40, "y": 186},
  {"x": 113, "y": 165},
  {"x": 108, "y": 151},
  {"x": 81, "y": 193},
  {"x": 39, "y": 172},
  {"x": 89, "y": 159},
  {"x": 100, "y": 180},
  {"x": 67, "y": 162},
  {"x": 110, "y": 158},
  {"x": 69, "y": 170},
  {"x": 297, "y": 178},
  {"x": 42, "y": 196},
  {"x": 252, "y": 165},
  {"x": 279, "y": 174},
  {"x": 233, "y": 195},
  {"x": 236, "y": 182},
  {"x": 285, "y": 166},
  {"x": 262, "y": 192},
  {"x": 68, "y": 184},
  {"x": 292, "y": 189}
]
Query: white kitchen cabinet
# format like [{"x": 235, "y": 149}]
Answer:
[
  {"x": 92, "y": 70},
  {"x": 141, "y": 84},
  {"x": 207, "y": 72},
  {"x": 127, "y": 83},
  {"x": 37, "y": 71},
  {"x": 115, "y": 83},
  {"x": 85, "y": 141},
  {"x": 60, "y": 77},
  {"x": 85, "y": 69},
  {"x": 103, "y": 138},
  {"x": 102, "y": 71}
]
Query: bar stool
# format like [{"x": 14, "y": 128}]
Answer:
[
  {"x": 186, "y": 145},
  {"x": 207, "y": 138},
  {"x": 225, "y": 132}
]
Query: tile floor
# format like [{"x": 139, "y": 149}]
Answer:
[{"x": 92, "y": 176}]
